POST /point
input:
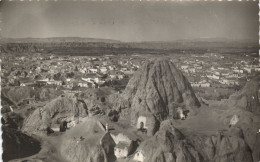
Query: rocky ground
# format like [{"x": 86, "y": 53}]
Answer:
[{"x": 159, "y": 96}]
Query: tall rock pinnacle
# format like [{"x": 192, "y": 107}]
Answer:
[{"x": 158, "y": 89}]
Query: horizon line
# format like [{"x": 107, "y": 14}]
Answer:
[{"x": 144, "y": 41}]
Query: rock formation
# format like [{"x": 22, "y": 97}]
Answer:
[
  {"x": 228, "y": 146},
  {"x": 157, "y": 89},
  {"x": 17, "y": 144},
  {"x": 18, "y": 94},
  {"x": 256, "y": 149},
  {"x": 88, "y": 142},
  {"x": 247, "y": 98},
  {"x": 167, "y": 145},
  {"x": 44, "y": 94},
  {"x": 99, "y": 100},
  {"x": 58, "y": 110}
]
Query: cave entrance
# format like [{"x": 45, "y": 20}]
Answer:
[
  {"x": 141, "y": 124},
  {"x": 63, "y": 126}
]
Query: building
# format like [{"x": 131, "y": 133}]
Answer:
[
  {"x": 26, "y": 84},
  {"x": 229, "y": 82},
  {"x": 112, "y": 76},
  {"x": 91, "y": 78},
  {"x": 139, "y": 156},
  {"x": 41, "y": 83},
  {"x": 82, "y": 84},
  {"x": 180, "y": 113},
  {"x": 192, "y": 70},
  {"x": 55, "y": 127},
  {"x": 122, "y": 149},
  {"x": 205, "y": 84},
  {"x": 103, "y": 70},
  {"x": 195, "y": 84},
  {"x": 235, "y": 75},
  {"x": 71, "y": 124},
  {"x": 257, "y": 69},
  {"x": 93, "y": 70},
  {"x": 213, "y": 76},
  {"x": 124, "y": 144},
  {"x": 120, "y": 76},
  {"x": 184, "y": 67},
  {"x": 247, "y": 69},
  {"x": 234, "y": 120}
]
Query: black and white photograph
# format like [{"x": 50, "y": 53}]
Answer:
[{"x": 130, "y": 81}]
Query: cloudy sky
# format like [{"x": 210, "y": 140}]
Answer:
[{"x": 130, "y": 21}]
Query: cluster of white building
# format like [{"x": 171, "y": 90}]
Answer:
[{"x": 225, "y": 75}]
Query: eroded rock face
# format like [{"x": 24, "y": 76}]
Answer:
[
  {"x": 247, "y": 98},
  {"x": 232, "y": 147},
  {"x": 58, "y": 110},
  {"x": 224, "y": 146},
  {"x": 44, "y": 94},
  {"x": 168, "y": 145},
  {"x": 99, "y": 100},
  {"x": 18, "y": 94},
  {"x": 79, "y": 152},
  {"x": 158, "y": 89},
  {"x": 256, "y": 149},
  {"x": 18, "y": 145},
  {"x": 89, "y": 149}
]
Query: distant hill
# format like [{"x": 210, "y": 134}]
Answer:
[
  {"x": 93, "y": 46},
  {"x": 56, "y": 40},
  {"x": 196, "y": 43}
]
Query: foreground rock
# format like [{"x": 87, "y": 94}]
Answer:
[
  {"x": 58, "y": 110},
  {"x": 18, "y": 145},
  {"x": 157, "y": 91},
  {"x": 88, "y": 142},
  {"x": 245, "y": 104},
  {"x": 225, "y": 146}
]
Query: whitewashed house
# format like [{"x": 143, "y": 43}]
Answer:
[
  {"x": 139, "y": 156},
  {"x": 180, "y": 113},
  {"x": 55, "y": 127},
  {"x": 234, "y": 120},
  {"x": 122, "y": 150},
  {"x": 93, "y": 70},
  {"x": 184, "y": 67},
  {"x": 205, "y": 84},
  {"x": 124, "y": 145},
  {"x": 103, "y": 70}
]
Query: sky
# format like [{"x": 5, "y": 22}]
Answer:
[{"x": 130, "y": 21}]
